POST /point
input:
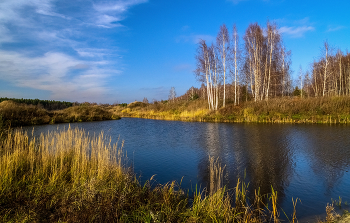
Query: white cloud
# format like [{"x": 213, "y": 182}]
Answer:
[
  {"x": 54, "y": 51},
  {"x": 21, "y": 15},
  {"x": 109, "y": 13},
  {"x": 63, "y": 76},
  {"x": 92, "y": 52},
  {"x": 11, "y": 9},
  {"x": 107, "y": 21},
  {"x": 117, "y": 7},
  {"x": 296, "y": 31},
  {"x": 5, "y": 34}
]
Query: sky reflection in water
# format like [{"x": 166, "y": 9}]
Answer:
[{"x": 310, "y": 162}]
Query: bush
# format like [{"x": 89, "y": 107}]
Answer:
[{"x": 14, "y": 114}]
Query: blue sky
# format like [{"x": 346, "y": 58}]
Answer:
[{"x": 125, "y": 50}]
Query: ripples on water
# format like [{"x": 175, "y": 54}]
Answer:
[{"x": 310, "y": 162}]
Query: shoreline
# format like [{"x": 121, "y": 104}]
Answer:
[
  {"x": 327, "y": 120},
  {"x": 328, "y": 110}
]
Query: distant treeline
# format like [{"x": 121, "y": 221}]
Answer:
[{"x": 47, "y": 104}]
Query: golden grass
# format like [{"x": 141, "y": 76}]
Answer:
[
  {"x": 74, "y": 177},
  {"x": 330, "y": 110},
  {"x": 56, "y": 169},
  {"x": 15, "y": 114}
]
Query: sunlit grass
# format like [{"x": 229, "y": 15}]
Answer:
[
  {"x": 75, "y": 177},
  {"x": 15, "y": 114},
  {"x": 330, "y": 110}
]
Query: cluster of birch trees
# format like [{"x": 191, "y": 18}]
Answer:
[
  {"x": 329, "y": 76},
  {"x": 260, "y": 66}
]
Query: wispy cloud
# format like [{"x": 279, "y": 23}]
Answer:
[
  {"x": 236, "y": 1},
  {"x": 239, "y": 1},
  {"x": 12, "y": 10},
  {"x": 5, "y": 35},
  {"x": 54, "y": 51},
  {"x": 57, "y": 73},
  {"x": 296, "y": 31},
  {"x": 92, "y": 52},
  {"x": 195, "y": 38},
  {"x": 110, "y": 13},
  {"x": 335, "y": 28},
  {"x": 295, "y": 28}
]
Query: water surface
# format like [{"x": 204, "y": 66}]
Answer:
[{"x": 310, "y": 162}]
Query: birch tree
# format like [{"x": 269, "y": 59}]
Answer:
[
  {"x": 172, "y": 94},
  {"x": 301, "y": 80},
  {"x": 254, "y": 45},
  {"x": 272, "y": 38},
  {"x": 325, "y": 73},
  {"x": 339, "y": 57},
  {"x": 206, "y": 72},
  {"x": 234, "y": 49},
  {"x": 222, "y": 43}
]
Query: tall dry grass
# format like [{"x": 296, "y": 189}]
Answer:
[
  {"x": 71, "y": 176},
  {"x": 289, "y": 110},
  {"x": 222, "y": 205},
  {"x": 83, "y": 113},
  {"x": 58, "y": 175},
  {"x": 277, "y": 110},
  {"x": 178, "y": 110},
  {"x": 15, "y": 114}
]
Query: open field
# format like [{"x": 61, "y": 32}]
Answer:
[{"x": 279, "y": 110}]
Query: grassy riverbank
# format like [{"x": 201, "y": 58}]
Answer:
[
  {"x": 20, "y": 114},
  {"x": 278, "y": 110},
  {"x": 73, "y": 177}
]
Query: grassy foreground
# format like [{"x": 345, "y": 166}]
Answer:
[
  {"x": 279, "y": 110},
  {"x": 19, "y": 114},
  {"x": 73, "y": 177}
]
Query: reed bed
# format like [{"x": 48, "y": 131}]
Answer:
[{"x": 71, "y": 176}]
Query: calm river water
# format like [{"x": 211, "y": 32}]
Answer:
[{"x": 310, "y": 162}]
